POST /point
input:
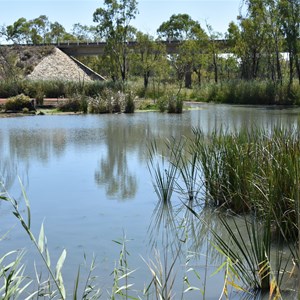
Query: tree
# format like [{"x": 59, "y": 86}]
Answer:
[
  {"x": 248, "y": 39},
  {"x": 150, "y": 55},
  {"x": 114, "y": 25},
  {"x": 39, "y": 27},
  {"x": 84, "y": 32},
  {"x": 213, "y": 49},
  {"x": 179, "y": 27},
  {"x": 289, "y": 11},
  {"x": 18, "y": 32},
  {"x": 183, "y": 28}
]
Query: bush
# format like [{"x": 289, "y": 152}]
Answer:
[
  {"x": 18, "y": 103},
  {"x": 175, "y": 104},
  {"x": 129, "y": 103},
  {"x": 111, "y": 102},
  {"x": 39, "y": 96},
  {"x": 162, "y": 103},
  {"x": 98, "y": 105},
  {"x": 71, "y": 105}
]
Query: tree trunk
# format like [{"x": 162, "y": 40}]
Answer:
[
  {"x": 215, "y": 67},
  {"x": 188, "y": 79}
]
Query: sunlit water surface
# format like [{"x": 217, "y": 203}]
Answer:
[{"x": 87, "y": 180}]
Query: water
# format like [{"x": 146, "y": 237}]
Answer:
[{"x": 87, "y": 180}]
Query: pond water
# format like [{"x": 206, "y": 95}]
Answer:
[{"x": 87, "y": 180}]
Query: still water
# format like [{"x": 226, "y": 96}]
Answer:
[{"x": 87, "y": 180}]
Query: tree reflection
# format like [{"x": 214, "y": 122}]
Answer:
[
  {"x": 37, "y": 144},
  {"x": 113, "y": 171}
]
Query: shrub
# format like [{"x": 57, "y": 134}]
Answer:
[
  {"x": 146, "y": 105},
  {"x": 39, "y": 96},
  {"x": 18, "y": 103},
  {"x": 175, "y": 104},
  {"x": 129, "y": 103},
  {"x": 25, "y": 110},
  {"x": 98, "y": 105},
  {"x": 110, "y": 102},
  {"x": 71, "y": 105},
  {"x": 162, "y": 103}
]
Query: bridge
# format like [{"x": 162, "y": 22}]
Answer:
[
  {"x": 76, "y": 48},
  {"x": 98, "y": 48}
]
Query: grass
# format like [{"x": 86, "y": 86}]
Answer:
[{"x": 253, "y": 174}]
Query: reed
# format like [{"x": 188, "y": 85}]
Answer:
[{"x": 252, "y": 173}]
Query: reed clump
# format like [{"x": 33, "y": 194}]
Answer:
[
  {"x": 251, "y": 177},
  {"x": 253, "y": 171}
]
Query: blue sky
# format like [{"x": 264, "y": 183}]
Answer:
[{"x": 217, "y": 13}]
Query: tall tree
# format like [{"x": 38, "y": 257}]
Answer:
[
  {"x": 150, "y": 55},
  {"x": 183, "y": 28},
  {"x": 290, "y": 25},
  {"x": 18, "y": 32},
  {"x": 39, "y": 27},
  {"x": 248, "y": 39},
  {"x": 84, "y": 32},
  {"x": 114, "y": 25}
]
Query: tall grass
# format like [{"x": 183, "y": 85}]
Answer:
[
  {"x": 249, "y": 92},
  {"x": 55, "y": 88},
  {"x": 253, "y": 173}
]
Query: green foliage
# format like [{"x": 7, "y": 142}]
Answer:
[
  {"x": 114, "y": 25},
  {"x": 39, "y": 96},
  {"x": 146, "y": 105},
  {"x": 162, "y": 104},
  {"x": 248, "y": 92},
  {"x": 75, "y": 103},
  {"x": 175, "y": 104},
  {"x": 18, "y": 103},
  {"x": 129, "y": 103},
  {"x": 109, "y": 101}
]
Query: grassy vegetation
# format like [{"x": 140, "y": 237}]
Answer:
[
  {"x": 251, "y": 178},
  {"x": 168, "y": 98}
]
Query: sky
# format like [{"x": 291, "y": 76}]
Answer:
[{"x": 152, "y": 13}]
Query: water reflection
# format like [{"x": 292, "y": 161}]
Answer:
[
  {"x": 36, "y": 144},
  {"x": 113, "y": 172}
]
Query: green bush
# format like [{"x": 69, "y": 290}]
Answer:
[
  {"x": 129, "y": 103},
  {"x": 18, "y": 103},
  {"x": 162, "y": 103},
  {"x": 69, "y": 106}
]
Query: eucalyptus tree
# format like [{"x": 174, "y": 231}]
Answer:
[
  {"x": 248, "y": 39},
  {"x": 84, "y": 32},
  {"x": 289, "y": 11},
  {"x": 183, "y": 28},
  {"x": 149, "y": 57},
  {"x": 57, "y": 33},
  {"x": 39, "y": 27},
  {"x": 114, "y": 26},
  {"x": 18, "y": 32},
  {"x": 213, "y": 49}
]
